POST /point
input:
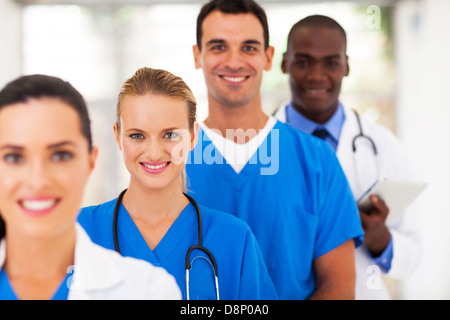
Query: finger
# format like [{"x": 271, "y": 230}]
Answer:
[{"x": 380, "y": 205}]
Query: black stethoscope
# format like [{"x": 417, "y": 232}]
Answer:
[
  {"x": 363, "y": 136},
  {"x": 198, "y": 246}
]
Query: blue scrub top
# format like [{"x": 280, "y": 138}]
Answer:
[
  {"x": 7, "y": 292},
  {"x": 292, "y": 193},
  {"x": 241, "y": 270}
]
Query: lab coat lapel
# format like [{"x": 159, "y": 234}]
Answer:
[
  {"x": 356, "y": 163},
  {"x": 344, "y": 150},
  {"x": 94, "y": 268}
]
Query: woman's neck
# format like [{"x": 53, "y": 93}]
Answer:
[
  {"x": 36, "y": 267},
  {"x": 154, "y": 210},
  {"x": 154, "y": 203}
]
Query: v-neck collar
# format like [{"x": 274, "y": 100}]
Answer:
[
  {"x": 251, "y": 164},
  {"x": 139, "y": 247},
  {"x": 238, "y": 156}
]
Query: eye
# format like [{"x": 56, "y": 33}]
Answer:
[
  {"x": 217, "y": 47},
  {"x": 136, "y": 136},
  {"x": 302, "y": 63},
  {"x": 249, "y": 48},
  {"x": 13, "y": 158},
  {"x": 332, "y": 64},
  {"x": 172, "y": 135},
  {"x": 62, "y": 156}
]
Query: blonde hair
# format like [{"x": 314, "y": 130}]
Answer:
[{"x": 159, "y": 82}]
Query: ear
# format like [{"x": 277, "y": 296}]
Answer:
[
  {"x": 348, "y": 66},
  {"x": 197, "y": 56},
  {"x": 93, "y": 159},
  {"x": 283, "y": 63},
  {"x": 194, "y": 137},
  {"x": 117, "y": 136},
  {"x": 270, "y": 51}
]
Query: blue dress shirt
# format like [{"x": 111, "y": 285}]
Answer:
[{"x": 333, "y": 125}]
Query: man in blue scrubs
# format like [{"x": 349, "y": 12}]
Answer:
[{"x": 287, "y": 185}]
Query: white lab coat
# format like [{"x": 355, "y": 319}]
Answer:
[
  {"x": 104, "y": 274},
  {"x": 361, "y": 172}
]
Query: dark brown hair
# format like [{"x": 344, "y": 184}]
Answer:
[{"x": 233, "y": 7}]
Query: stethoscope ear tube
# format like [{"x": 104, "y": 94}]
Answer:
[{"x": 116, "y": 210}]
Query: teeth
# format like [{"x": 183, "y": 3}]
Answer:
[
  {"x": 234, "y": 79},
  {"x": 155, "y": 167},
  {"x": 38, "y": 205},
  {"x": 316, "y": 91}
]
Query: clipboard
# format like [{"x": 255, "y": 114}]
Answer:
[{"x": 397, "y": 194}]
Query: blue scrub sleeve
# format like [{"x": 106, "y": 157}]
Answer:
[{"x": 339, "y": 216}]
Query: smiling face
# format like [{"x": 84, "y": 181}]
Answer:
[
  {"x": 233, "y": 57},
  {"x": 45, "y": 164},
  {"x": 316, "y": 62},
  {"x": 155, "y": 139}
]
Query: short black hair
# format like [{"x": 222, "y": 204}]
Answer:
[
  {"x": 318, "y": 21},
  {"x": 233, "y": 7}
]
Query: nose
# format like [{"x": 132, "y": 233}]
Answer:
[
  {"x": 39, "y": 175},
  {"x": 316, "y": 72},
  {"x": 154, "y": 149},
  {"x": 234, "y": 60}
]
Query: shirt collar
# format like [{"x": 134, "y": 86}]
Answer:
[{"x": 333, "y": 125}]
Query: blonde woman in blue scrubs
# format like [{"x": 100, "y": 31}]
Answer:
[{"x": 155, "y": 130}]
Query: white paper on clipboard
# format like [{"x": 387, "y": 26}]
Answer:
[{"x": 397, "y": 194}]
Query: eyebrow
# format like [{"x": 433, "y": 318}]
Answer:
[
  {"x": 60, "y": 144},
  {"x": 52, "y": 146},
  {"x": 308, "y": 56},
  {"x": 252, "y": 42},
  {"x": 171, "y": 129},
  {"x": 215, "y": 41},
  {"x": 142, "y": 131},
  {"x": 10, "y": 146},
  {"x": 134, "y": 130},
  {"x": 221, "y": 41}
]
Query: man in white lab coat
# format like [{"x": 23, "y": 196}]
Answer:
[{"x": 316, "y": 62}]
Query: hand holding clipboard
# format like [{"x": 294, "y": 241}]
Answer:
[{"x": 397, "y": 194}]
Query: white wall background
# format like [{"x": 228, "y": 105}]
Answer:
[
  {"x": 423, "y": 115},
  {"x": 10, "y": 41}
]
